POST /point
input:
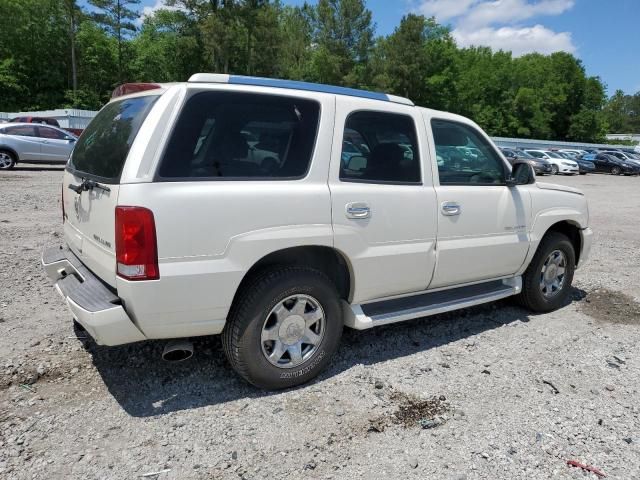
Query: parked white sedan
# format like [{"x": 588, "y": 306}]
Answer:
[
  {"x": 34, "y": 143},
  {"x": 558, "y": 163}
]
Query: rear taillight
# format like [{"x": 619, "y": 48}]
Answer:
[{"x": 136, "y": 246}]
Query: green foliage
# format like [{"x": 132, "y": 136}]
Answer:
[
  {"x": 332, "y": 41},
  {"x": 342, "y": 40},
  {"x": 622, "y": 112},
  {"x": 167, "y": 48},
  {"x": 116, "y": 17},
  {"x": 415, "y": 61}
]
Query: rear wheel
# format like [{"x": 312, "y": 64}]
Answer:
[
  {"x": 554, "y": 169},
  {"x": 7, "y": 160},
  {"x": 284, "y": 327},
  {"x": 615, "y": 171},
  {"x": 547, "y": 280}
]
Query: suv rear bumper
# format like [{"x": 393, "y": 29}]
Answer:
[{"x": 93, "y": 304}]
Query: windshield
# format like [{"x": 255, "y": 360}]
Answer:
[
  {"x": 103, "y": 147},
  {"x": 554, "y": 155}
]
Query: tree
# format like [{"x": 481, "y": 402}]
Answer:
[
  {"x": 31, "y": 30},
  {"x": 342, "y": 41},
  {"x": 587, "y": 126},
  {"x": 295, "y": 47},
  {"x": 622, "y": 113},
  {"x": 115, "y": 17},
  {"x": 415, "y": 61},
  {"x": 72, "y": 12},
  {"x": 97, "y": 66},
  {"x": 167, "y": 47}
]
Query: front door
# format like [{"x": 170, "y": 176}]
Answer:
[
  {"x": 27, "y": 141},
  {"x": 383, "y": 201},
  {"x": 483, "y": 224}
]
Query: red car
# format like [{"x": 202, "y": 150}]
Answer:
[{"x": 43, "y": 120}]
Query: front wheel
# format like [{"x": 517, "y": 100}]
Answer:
[
  {"x": 7, "y": 161},
  {"x": 615, "y": 171},
  {"x": 547, "y": 281},
  {"x": 554, "y": 169},
  {"x": 284, "y": 328}
]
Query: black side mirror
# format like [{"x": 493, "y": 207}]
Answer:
[{"x": 522, "y": 173}]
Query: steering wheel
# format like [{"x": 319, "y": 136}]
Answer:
[{"x": 482, "y": 177}]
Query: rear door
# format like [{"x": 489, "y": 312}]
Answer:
[
  {"x": 56, "y": 146},
  {"x": 100, "y": 155},
  {"x": 24, "y": 139},
  {"x": 383, "y": 201}
]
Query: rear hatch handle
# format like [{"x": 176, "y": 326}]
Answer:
[{"x": 87, "y": 185}]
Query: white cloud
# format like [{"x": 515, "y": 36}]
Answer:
[
  {"x": 445, "y": 9},
  {"x": 520, "y": 40},
  {"x": 150, "y": 10},
  {"x": 510, "y": 11},
  {"x": 497, "y": 23}
]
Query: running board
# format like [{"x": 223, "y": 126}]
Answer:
[{"x": 384, "y": 312}]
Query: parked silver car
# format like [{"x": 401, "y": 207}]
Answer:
[{"x": 34, "y": 143}]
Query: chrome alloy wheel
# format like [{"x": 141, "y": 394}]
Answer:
[
  {"x": 293, "y": 331},
  {"x": 553, "y": 273},
  {"x": 5, "y": 160}
]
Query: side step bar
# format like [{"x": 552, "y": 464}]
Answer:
[{"x": 384, "y": 312}]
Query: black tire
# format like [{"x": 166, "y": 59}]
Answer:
[
  {"x": 532, "y": 296},
  {"x": 9, "y": 157},
  {"x": 615, "y": 171},
  {"x": 583, "y": 173},
  {"x": 554, "y": 169},
  {"x": 241, "y": 337}
]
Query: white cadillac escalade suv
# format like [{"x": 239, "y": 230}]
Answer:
[{"x": 225, "y": 205}]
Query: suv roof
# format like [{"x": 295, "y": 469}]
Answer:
[{"x": 295, "y": 85}]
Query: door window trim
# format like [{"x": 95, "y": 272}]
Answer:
[{"x": 382, "y": 182}]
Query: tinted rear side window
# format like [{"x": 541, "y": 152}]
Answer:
[
  {"x": 227, "y": 135},
  {"x": 387, "y": 149},
  {"x": 22, "y": 130},
  {"x": 103, "y": 147}
]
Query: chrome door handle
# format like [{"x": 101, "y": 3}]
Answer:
[
  {"x": 451, "y": 209},
  {"x": 357, "y": 210}
]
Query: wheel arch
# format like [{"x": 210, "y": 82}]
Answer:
[
  {"x": 5, "y": 148},
  {"x": 571, "y": 230},
  {"x": 325, "y": 259}
]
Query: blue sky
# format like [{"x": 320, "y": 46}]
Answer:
[{"x": 605, "y": 35}]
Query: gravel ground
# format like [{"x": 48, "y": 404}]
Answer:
[{"x": 485, "y": 393}]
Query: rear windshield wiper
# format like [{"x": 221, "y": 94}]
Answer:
[{"x": 87, "y": 185}]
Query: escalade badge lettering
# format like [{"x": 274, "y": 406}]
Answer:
[{"x": 101, "y": 241}]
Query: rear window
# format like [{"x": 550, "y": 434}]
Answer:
[
  {"x": 103, "y": 147},
  {"x": 22, "y": 130},
  {"x": 241, "y": 136}
]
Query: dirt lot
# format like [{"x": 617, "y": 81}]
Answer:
[{"x": 490, "y": 392}]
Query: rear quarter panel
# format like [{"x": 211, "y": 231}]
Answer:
[{"x": 210, "y": 233}]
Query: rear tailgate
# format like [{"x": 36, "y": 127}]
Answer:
[
  {"x": 91, "y": 182},
  {"x": 89, "y": 228}
]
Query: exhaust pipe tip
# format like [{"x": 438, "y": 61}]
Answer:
[{"x": 177, "y": 351}]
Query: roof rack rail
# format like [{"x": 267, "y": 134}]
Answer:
[{"x": 295, "y": 85}]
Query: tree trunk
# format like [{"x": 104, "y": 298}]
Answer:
[{"x": 74, "y": 67}]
